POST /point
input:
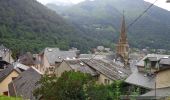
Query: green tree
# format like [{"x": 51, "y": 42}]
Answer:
[
  {"x": 79, "y": 86},
  {"x": 68, "y": 87},
  {"x": 99, "y": 92}
]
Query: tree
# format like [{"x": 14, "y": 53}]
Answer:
[
  {"x": 68, "y": 87},
  {"x": 99, "y": 92},
  {"x": 78, "y": 86}
]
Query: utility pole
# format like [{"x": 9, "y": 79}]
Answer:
[{"x": 155, "y": 90}]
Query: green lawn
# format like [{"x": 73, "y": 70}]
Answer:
[{"x": 9, "y": 98}]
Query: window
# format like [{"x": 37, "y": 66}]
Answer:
[
  {"x": 5, "y": 93},
  {"x": 13, "y": 78},
  {"x": 107, "y": 81},
  {"x": 0, "y": 58}
]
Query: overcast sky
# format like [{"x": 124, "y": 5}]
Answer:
[
  {"x": 49, "y": 1},
  {"x": 160, "y": 3}
]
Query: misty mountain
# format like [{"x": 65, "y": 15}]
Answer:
[
  {"x": 62, "y": 3},
  {"x": 27, "y": 25},
  {"x": 102, "y": 18}
]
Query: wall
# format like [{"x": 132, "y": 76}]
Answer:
[
  {"x": 163, "y": 79},
  {"x": 44, "y": 64},
  {"x": 101, "y": 79},
  {"x": 62, "y": 68},
  {"x": 6, "y": 81},
  {"x": 8, "y": 58}
]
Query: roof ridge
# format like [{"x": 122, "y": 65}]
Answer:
[{"x": 37, "y": 70}]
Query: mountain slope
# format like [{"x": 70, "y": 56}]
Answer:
[
  {"x": 26, "y": 25},
  {"x": 102, "y": 18}
]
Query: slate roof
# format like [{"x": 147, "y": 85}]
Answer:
[
  {"x": 140, "y": 79},
  {"x": 111, "y": 56},
  {"x": 78, "y": 65},
  {"x": 4, "y": 73},
  {"x": 112, "y": 71},
  {"x": 163, "y": 92},
  {"x": 153, "y": 59},
  {"x": 27, "y": 59},
  {"x": 55, "y": 55},
  {"x": 165, "y": 61},
  {"x": 25, "y": 84},
  {"x": 88, "y": 56},
  {"x": 154, "y": 56}
]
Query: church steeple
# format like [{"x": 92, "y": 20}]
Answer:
[
  {"x": 123, "y": 36},
  {"x": 122, "y": 47}
]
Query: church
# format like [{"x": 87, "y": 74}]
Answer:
[{"x": 122, "y": 47}]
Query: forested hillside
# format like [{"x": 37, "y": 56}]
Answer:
[
  {"x": 102, "y": 18},
  {"x": 26, "y": 25}
]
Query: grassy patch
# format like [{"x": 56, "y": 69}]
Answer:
[{"x": 9, "y": 98}]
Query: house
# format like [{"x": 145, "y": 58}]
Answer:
[
  {"x": 9, "y": 73},
  {"x": 153, "y": 73},
  {"x": 86, "y": 56},
  {"x": 27, "y": 59},
  {"x": 52, "y": 57},
  {"x": 6, "y": 76},
  {"x": 5, "y": 54},
  {"x": 30, "y": 60},
  {"x": 24, "y": 85},
  {"x": 159, "y": 94},
  {"x": 104, "y": 72},
  {"x": 74, "y": 65},
  {"x": 108, "y": 71},
  {"x": 100, "y": 48},
  {"x": 150, "y": 59}
]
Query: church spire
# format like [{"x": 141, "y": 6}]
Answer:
[
  {"x": 122, "y": 47},
  {"x": 123, "y": 36}
]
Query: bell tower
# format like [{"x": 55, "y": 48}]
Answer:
[{"x": 122, "y": 47}]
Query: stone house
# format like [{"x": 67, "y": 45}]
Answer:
[
  {"x": 153, "y": 73},
  {"x": 8, "y": 74},
  {"x": 24, "y": 85},
  {"x": 5, "y": 54},
  {"x": 52, "y": 57},
  {"x": 103, "y": 72}
]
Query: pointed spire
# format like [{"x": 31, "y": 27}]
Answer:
[
  {"x": 123, "y": 28},
  {"x": 122, "y": 48},
  {"x": 123, "y": 37}
]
